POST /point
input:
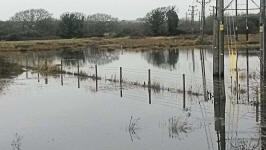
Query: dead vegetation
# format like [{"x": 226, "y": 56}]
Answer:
[
  {"x": 148, "y": 43},
  {"x": 178, "y": 127},
  {"x": 49, "y": 69},
  {"x": 16, "y": 144}
]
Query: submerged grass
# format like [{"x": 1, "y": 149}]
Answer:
[
  {"x": 51, "y": 70},
  {"x": 177, "y": 127},
  {"x": 155, "y": 86}
]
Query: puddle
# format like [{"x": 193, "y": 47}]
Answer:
[{"x": 69, "y": 111}]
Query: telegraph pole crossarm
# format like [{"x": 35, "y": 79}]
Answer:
[
  {"x": 203, "y": 4},
  {"x": 192, "y": 11}
]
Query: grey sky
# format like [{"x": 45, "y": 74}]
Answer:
[{"x": 123, "y": 9}]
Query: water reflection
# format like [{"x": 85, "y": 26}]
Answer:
[
  {"x": 219, "y": 112},
  {"x": 8, "y": 71},
  {"x": 69, "y": 57},
  {"x": 263, "y": 117},
  {"x": 202, "y": 59},
  {"x": 100, "y": 57},
  {"x": 193, "y": 59},
  {"x": 176, "y": 127},
  {"x": 166, "y": 59},
  {"x": 90, "y": 55},
  {"x": 133, "y": 127}
]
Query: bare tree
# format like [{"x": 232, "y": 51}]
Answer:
[{"x": 31, "y": 18}]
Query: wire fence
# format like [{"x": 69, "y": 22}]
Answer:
[{"x": 161, "y": 82}]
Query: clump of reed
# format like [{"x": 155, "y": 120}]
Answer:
[
  {"x": 48, "y": 70},
  {"x": 239, "y": 90},
  {"x": 156, "y": 86},
  {"x": 83, "y": 75},
  {"x": 17, "y": 142},
  {"x": 177, "y": 127},
  {"x": 243, "y": 76}
]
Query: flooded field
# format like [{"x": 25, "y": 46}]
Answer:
[{"x": 104, "y": 100}]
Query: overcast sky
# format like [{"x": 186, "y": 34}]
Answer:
[{"x": 123, "y": 9}]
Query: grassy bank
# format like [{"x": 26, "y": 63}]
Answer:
[{"x": 116, "y": 43}]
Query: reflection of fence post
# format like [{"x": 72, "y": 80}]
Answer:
[
  {"x": 149, "y": 78},
  {"x": 239, "y": 91},
  {"x": 247, "y": 71},
  {"x": 121, "y": 80},
  {"x": 231, "y": 84},
  {"x": 184, "y": 91},
  {"x": 257, "y": 104},
  {"x": 46, "y": 79},
  {"x": 61, "y": 70},
  {"x": 46, "y": 66},
  {"x": 203, "y": 74},
  {"x": 237, "y": 77},
  {"x": 78, "y": 76},
  {"x": 96, "y": 76},
  {"x": 149, "y": 85}
]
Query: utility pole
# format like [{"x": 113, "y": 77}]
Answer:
[
  {"x": 192, "y": 13},
  {"x": 263, "y": 69},
  {"x": 221, "y": 37},
  {"x": 247, "y": 20},
  {"x": 203, "y": 4},
  {"x": 199, "y": 19},
  {"x": 262, "y": 46},
  {"x": 236, "y": 24},
  {"x": 216, "y": 43},
  {"x": 212, "y": 11},
  {"x": 213, "y": 14},
  {"x": 247, "y": 49},
  {"x": 186, "y": 18},
  {"x": 220, "y": 28}
]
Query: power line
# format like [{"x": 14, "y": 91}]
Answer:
[
  {"x": 203, "y": 4},
  {"x": 192, "y": 13}
]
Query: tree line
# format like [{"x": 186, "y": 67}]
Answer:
[{"x": 162, "y": 21}]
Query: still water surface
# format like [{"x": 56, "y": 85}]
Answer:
[{"x": 65, "y": 112}]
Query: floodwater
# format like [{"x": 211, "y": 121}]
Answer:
[{"x": 66, "y": 111}]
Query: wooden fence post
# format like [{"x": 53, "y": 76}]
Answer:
[
  {"x": 78, "y": 76},
  {"x": 27, "y": 76},
  {"x": 184, "y": 91},
  {"x": 96, "y": 76},
  {"x": 149, "y": 85},
  {"x": 61, "y": 71},
  {"x": 121, "y": 81}
]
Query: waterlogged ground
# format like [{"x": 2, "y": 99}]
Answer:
[{"x": 66, "y": 111}]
